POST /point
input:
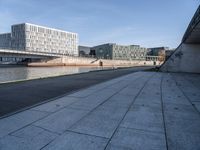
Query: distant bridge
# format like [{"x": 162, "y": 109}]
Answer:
[{"x": 27, "y": 54}]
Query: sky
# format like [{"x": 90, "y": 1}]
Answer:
[{"x": 149, "y": 23}]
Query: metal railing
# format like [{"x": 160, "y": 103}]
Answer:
[{"x": 20, "y": 52}]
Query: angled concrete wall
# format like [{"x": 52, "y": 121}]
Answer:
[{"x": 186, "y": 58}]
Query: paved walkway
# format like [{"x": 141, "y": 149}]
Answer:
[
  {"x": 16, "y": 96},
  {"x": 139, "y": 111}
]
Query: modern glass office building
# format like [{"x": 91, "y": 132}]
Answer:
[
  {"x": 5, "y": 40},
  {"x": 30, "y": 37},
  {"x": 120, "y": 52}
]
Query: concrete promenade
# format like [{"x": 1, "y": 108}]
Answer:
[
  {"x": 138, "y": 111},
  {"x": 16, "y": 96}
]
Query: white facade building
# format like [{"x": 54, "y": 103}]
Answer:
[{"x": 30, "y": 37}]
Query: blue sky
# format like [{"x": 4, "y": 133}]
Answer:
[{"x": 148, "y": 23}]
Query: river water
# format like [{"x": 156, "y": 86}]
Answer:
[{"x": 13, "y": 73}]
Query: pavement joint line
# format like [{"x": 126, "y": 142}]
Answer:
[
  {"x": 57, "y": 97},
  {"x": 26, "y": 125},
  {"x": 135, "y": 97},
  {"x": 86, "y": 134},
  {"x": 90, "y": 113},
  {"x": 47, "y": 144},
  {"x": 185, "y": 95},
  {"x": 46, "y": 129},
  {"x": 75, "y": 133},
  {"x": 163, "y": 114},
  {"x": 141, "y": 130}
]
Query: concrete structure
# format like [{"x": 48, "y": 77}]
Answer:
[
  {"x": 186, "y": 57},
  {"x": 84, "y": 51},
  {"x": 120, "y": 114},
  {"x": 34, "y": 38},
  {"x": 120, "y": 52}
]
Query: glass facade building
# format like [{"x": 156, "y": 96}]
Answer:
[
  {"x": 30, "y": 37},
  {"x": 120, "y": 52},
  {"x": 5, "y": 40}
]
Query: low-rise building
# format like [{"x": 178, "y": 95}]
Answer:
[{"x": 119, "y": 52}]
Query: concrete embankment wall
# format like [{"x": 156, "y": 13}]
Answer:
[
  {"x": 81, "y": 61},
  {"x": 186, "y": 58}
]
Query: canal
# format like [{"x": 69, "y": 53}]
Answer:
[{"x": 13, "y": 73}]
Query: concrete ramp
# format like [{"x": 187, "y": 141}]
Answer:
[{"x": 186, "y": 58}]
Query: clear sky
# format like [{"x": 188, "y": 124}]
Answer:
[{"x": 148, "y": 23}]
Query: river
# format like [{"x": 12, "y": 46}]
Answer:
[{"x": 13, "y": 73}]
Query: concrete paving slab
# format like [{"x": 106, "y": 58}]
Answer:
[
  {"x": 151, "y": 93},
  {"x": 94, "y": 100},
  {"x": 60, "y": 121},
  {"x": 183, "y": 140},
  {"x": 181, "y": 125},
  {"x": 119, "y": 85},
  {"x": 144, "y": 118},
  {"x": 197, "y": 105},
  {"x": 129, "y": 139},
  {"x": 181, "y": 111},
  {"x": 102, "y": 122},
  {"x": 19, "y": 120},
  {"x": 83, "y": 93},
  {"x": 57, "y": 104},
  {"x": 192, "y": 92},
  {"x": 171, "y": 93},
  {"x": 193, "y": 78},
  {"x": 75, "y": 141},
  {"x": 28, "y": 138},
  {"x": 134, "y": 88},
  {"x": 130, "y": 91},
  {"x": 119, "y": 101},
  {"x": 155, "y": 106},
  {"x": 148, "y": 99},
  {"x": 182, "y": 121}
]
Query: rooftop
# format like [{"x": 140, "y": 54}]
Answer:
[{"x": 44, "y": 27}]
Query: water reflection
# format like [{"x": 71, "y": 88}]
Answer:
[{"x": 20, "y": 73}]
